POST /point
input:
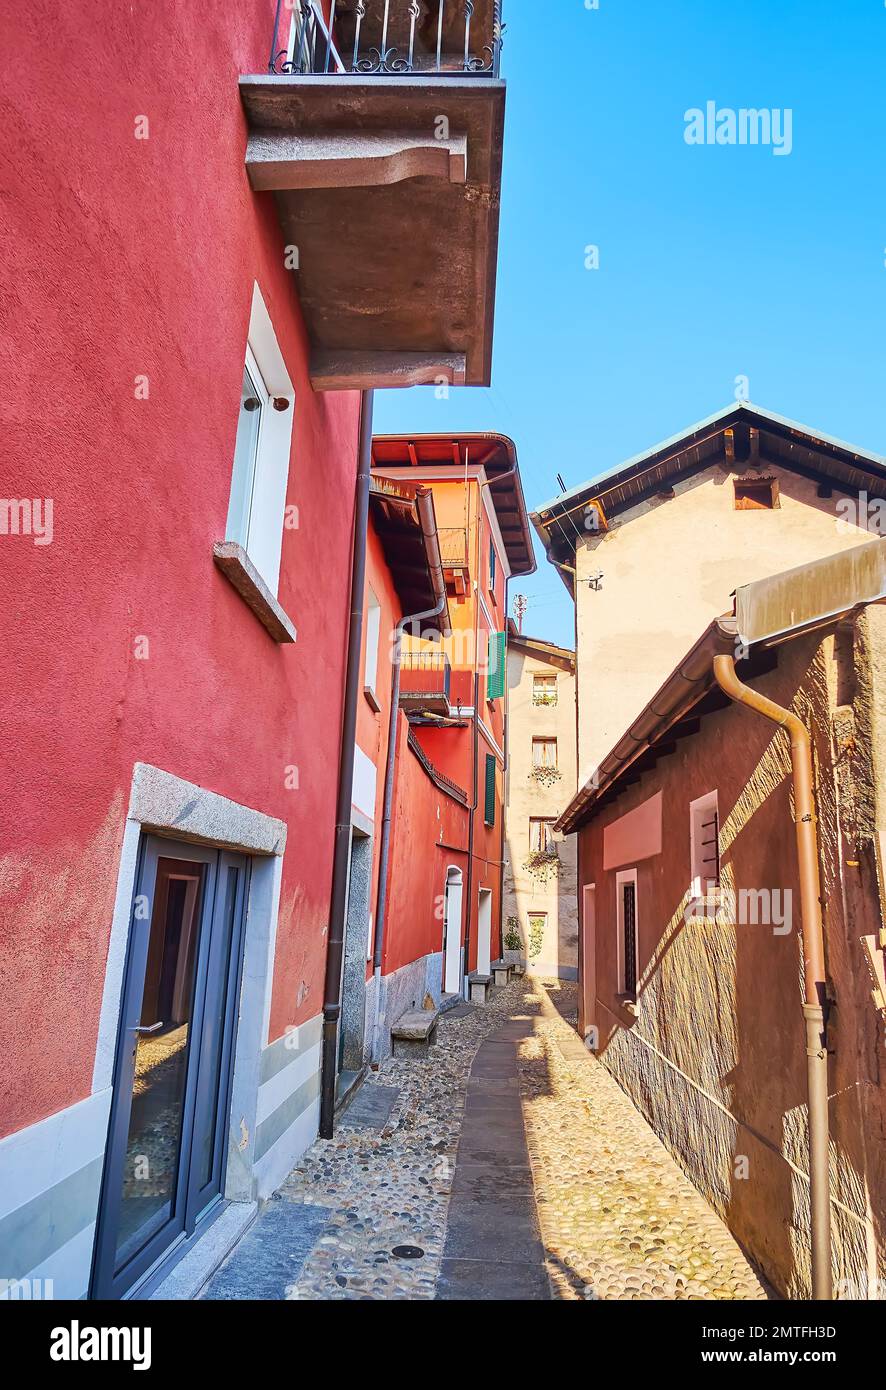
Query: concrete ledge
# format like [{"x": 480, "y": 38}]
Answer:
[
  {"x": 197, "y": 1267},
  {"x": 239, "y": 570},
  {"x": 161, "y": 801},
  {"x": 351, "y": 159}
]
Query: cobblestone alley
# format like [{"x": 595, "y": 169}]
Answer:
[{"x": 509, "y": 1166}]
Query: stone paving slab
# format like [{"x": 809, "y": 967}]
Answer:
[
  {"x": 493, "y": 1247},
  {"x": 371, "y": 1108},
  {"x": 473, "y": 1280},
  {"x": 271, "y": 1255}
]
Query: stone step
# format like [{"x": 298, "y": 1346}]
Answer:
[
  {"x": 501, "y": 972},
  {"x": 415, "y": 1032},
  {"x": 478, "y": 987}
]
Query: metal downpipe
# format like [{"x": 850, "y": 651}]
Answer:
[
  {"x": 342, "y": 849},
  {"x": 813, "y": 960}
]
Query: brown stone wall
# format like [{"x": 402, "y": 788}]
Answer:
[{"x": 715, "y": 1057}]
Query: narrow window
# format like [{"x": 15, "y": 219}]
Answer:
[
  {"x": 373, "y": 629},
  {"x": 755, "y": 494},
  {"x": 492, "y": 569},
  {"x": 544, "y": 752},
  {"x": 704, "y": 845},
  {"x": 489, "y": 808},
  {"x": 260, "y": 475},
  {"x": 626, "y": 915},
  {"x": 544, "y": 690},
  {"x": 541, "y": 834},
  {"x": 538, "y": 922}
]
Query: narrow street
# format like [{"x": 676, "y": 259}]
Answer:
[{"x": 508, "y": 1166}]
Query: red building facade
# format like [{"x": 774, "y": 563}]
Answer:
[{"x": 176, "y": 574}]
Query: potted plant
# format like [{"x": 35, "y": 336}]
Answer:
[
  {"x": 513, "y": 944},
  {"x": 545, "y": 776},
  {"x": 542, "y": 864},
  {"x": 536, "y": 937}
]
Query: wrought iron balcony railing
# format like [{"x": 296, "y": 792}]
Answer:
[
  {"x": 387, "y": 37},
  {"x": 425, "y": 675},
  {"x": 453, "y": 546}
]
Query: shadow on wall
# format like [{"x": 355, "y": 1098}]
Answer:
[
  {"x": 720, "y": 997},
  {"x": 722, "y": 1002}
]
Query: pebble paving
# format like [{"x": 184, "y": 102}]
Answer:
[
  {"x": 391, "y": 1188},
  {"x": 618, "y": 1218}
]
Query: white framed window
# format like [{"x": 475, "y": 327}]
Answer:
[
  {"x": 628, "y": 931},
  {"x": 373, "y": 632},
  {"x": 544, "y": 690},
  {"x": 260, "y": 474},
  {"x": 541, "y": 835},
  {"x": 704, "y": 846},
  {"x": 544, "y": 752}
]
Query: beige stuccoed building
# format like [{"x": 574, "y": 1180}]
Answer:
[
  {"x": 653, "y": 551},
  {"x": 687, "y": 821},
  {"x": 540, "y": 884}
]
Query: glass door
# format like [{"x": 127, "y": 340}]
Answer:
[{"x": 165, "y": 1159}]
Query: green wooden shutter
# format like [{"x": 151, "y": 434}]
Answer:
[
  {"x": 495, "y": 670},
  {"x": 489, "y": 811}
]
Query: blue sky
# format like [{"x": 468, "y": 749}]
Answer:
[{"x": 715, "y": 261}]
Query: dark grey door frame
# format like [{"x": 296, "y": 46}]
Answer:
[{"x": 216, "y": 993}]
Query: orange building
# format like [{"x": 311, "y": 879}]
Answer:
[{"x": 452, "y": 701}]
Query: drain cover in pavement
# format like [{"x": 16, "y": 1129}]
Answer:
[{"x": 407, "y": 1252}]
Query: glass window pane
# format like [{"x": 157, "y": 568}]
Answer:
[
  {"x": 252, "y": 404},
  {"x": 152, "y": 1152},
  {"x": 214, "y": 1025}
]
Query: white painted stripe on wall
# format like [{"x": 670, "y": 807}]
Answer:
[
  {"x": 70, "y": 1266},
  {"x": 276, "y": 1165},
  {"x": 266, "y": 882},
  {"x": 43, "y": 1154},
  {"x": 281, "y": 1086}
]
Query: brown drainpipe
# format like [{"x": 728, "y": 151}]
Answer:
[{"x": 813, "y": 961}]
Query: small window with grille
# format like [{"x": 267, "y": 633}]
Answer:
[
  {"x": 704, "y": 846},
  {"x": 628, "y": 938}
]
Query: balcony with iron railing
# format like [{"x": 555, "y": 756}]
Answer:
[
  {"x": 454, "y": 547},
  {"x": 378, "y": 128},
  {"x": 390, "y": 37},
  {"x": 425, "y": 682}
]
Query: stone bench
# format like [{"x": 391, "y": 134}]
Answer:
[
  {"x": 501, "y": 972},
  {"x": 414, "y": 1033},
  {"x": 479, "y": 986}
]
